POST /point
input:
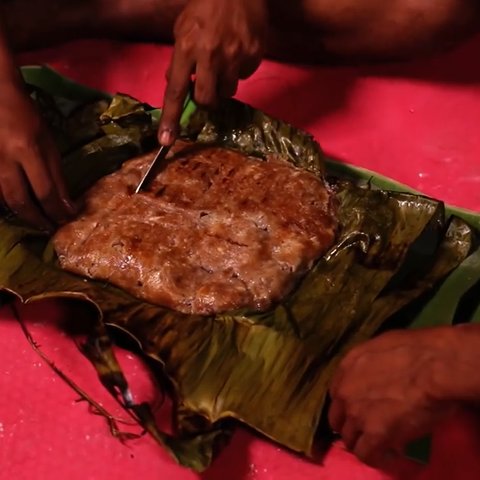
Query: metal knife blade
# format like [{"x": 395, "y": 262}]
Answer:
[
  {"x": 163, "y": 151},
  {"x": 150, "y": 173}
]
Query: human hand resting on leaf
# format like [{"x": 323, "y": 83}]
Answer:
[
  {"x": 31, "y": 183},
  {"x": 397, "y": 387},
  {"x": 220, "y": 41}
]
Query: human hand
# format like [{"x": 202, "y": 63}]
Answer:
[
  {"x": 219, "y": 41},
  {"x": 393, "y": 389},
  {"x": 31, "y": 183}
]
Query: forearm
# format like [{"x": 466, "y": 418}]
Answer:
[
  {"x": 455, "y": 376},
  {"x": 312, "y": 31},
  {"x": 48, "y": 22},
  {"x": 348, "y": 31}
]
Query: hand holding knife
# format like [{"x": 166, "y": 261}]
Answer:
[{"x": 161, "y": 154}]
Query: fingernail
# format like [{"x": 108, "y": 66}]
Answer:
[{"x": 165, "y": 137}]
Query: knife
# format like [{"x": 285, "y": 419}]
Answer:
[
  {"x": 188, "y": 109},
  {"x": 150, "y": 173}
]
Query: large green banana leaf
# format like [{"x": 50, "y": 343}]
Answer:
[{"x": 397, "y": 254}]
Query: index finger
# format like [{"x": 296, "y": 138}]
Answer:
[
  {"x": 177, "y": 88},
  {"x": 47, "y": 183}
]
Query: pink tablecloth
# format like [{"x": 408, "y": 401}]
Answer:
[{"x": 417, "y": 123}]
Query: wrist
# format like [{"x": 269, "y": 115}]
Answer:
[{"x": 454, "y": 372}]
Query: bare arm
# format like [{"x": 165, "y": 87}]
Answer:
[
  {"x": 343, "y": 31},
  {"x": 313, "y": 31},
  {"x": 31, "y": 185},
  {"x": 455, "y": 375},
  {"x": 299, "y": 30},
  {"x": 349, "y": 31},
  {"x": 395, "y": 388}
]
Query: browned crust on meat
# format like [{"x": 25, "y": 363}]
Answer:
[{"x": 216, "y": 231}]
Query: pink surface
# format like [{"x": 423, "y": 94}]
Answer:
[{"x": 417, "y": 123}]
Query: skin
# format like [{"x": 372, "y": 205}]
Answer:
[
  {"x": 387, "y": 391},
  {"x": 397, "y": 387},
  {"x": 30, "y": 164},
  {"x": 220, "y": 42}
]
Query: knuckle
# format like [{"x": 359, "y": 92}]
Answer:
[
  {"x": 376, "y": 436},
  {"x": 23, "y": 151},
  {"x": 210, "y": 47},
  {"x": 185, "y": 44},
  {"x": 232, "y": 50},
  {"x": 204, "y": 98},
  {"x": 187, "y": 23},
  {"x": 179, "y": 26},
  {"x": 375, "y": 430},
  {"x": 255, "y": 48}
]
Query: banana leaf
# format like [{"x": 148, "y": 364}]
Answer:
[{"x": 269, "y": 370}]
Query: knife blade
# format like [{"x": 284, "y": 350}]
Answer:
[
  {"x": 188, "y": 109},
  {"x": 150, "y": 173}
]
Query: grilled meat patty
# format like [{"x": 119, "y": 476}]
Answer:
[{"x": 216, "y": 231}]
